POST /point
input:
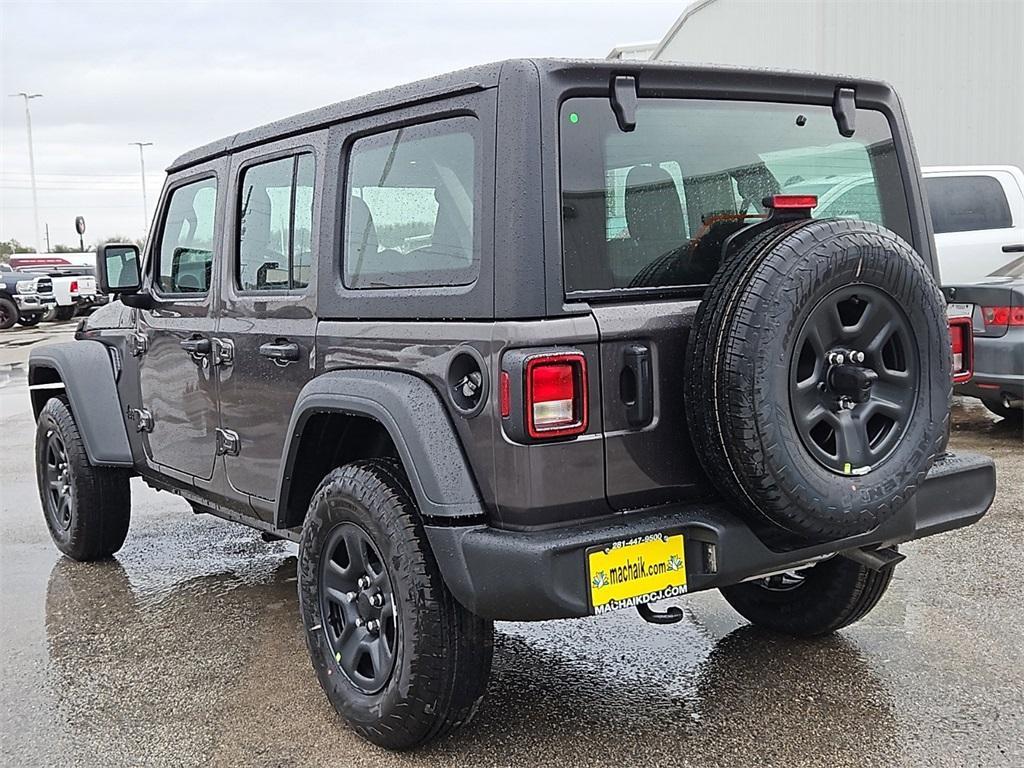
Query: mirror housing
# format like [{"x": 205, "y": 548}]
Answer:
[{"x": 117, "y": 268}]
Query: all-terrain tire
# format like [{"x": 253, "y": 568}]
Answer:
[
  {"x": 824, "y": 598},
  {"x": 8, "y": 313},
  {"x": 741, "y": 355},
  {"x": 443, "y": 652},
  {"x": 94, "y": 522}
]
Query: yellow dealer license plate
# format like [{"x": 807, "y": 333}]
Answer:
[{"x": 628, "y": 573}]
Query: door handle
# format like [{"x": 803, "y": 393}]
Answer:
[
  {"x": 1014, "y": 248},
  {"x": 636, "y": 385},
  {"x": 196, "y": 345},
  {"x": 280, "y": 351}
]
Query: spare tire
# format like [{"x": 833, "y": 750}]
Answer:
[{"x": 818, "y": 379}]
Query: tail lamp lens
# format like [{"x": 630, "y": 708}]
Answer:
[
  {"x": 74, "y": 286},
  {"x": 556, "y": 399},
  {"x": 961, "y": 340},
  {"x": 1000, "y": 317}
]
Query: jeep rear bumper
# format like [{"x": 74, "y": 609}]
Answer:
[{"x": 536, "y": 575}]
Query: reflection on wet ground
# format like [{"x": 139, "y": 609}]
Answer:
[{"x": 187, "y": 649}]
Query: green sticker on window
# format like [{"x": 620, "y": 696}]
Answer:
[{"x": 574, "y": 118}]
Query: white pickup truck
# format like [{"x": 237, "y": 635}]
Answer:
[
  {"x": 978, "y": 217},
  {"x": 74, "y": 284}
]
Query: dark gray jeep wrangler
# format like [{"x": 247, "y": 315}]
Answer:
[{"x": 534, "y": 340}]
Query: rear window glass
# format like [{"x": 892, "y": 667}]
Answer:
[
  {"x": 651, "y": 208},
  {"x": 967, "y": 203}
]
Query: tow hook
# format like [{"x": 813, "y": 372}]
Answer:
[
  {"x": 875, "y": 559},
  {"x": 670, "y": 615}
]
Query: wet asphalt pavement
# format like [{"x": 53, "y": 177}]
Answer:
[{"x": 187, "y": 649}]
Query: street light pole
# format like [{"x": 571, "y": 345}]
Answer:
[
  {"x": 31, "y": 163},
  {"x": 142, "y": 167}
]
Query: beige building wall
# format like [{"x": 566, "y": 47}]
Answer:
[{"x": 957, "y": 64}]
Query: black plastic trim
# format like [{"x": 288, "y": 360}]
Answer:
[
  {"x": 412, "y": 412},
  {"x": 85, "y": 369},
  {"x": 539, "y": 575}
]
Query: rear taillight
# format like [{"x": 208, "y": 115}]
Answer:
[
  {"x": 556, "y": 395},
  {"x": 74, "y": 286},
  {"x": 1000, "y": 317},
  {"x": 961, "y": 340}
]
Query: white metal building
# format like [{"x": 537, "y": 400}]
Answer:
[{"x": 957, "y": 64}]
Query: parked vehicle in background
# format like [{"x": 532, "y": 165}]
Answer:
[
  {"x": 74, "y": 281},
  {"x": 24, "y": 298},
  {"x": 534, "y": 340},
  {"x": 996, "y": 308},
  {"x": 978, "y": 217}
]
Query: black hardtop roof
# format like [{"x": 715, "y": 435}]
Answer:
[{"x": 477, "y": 78}]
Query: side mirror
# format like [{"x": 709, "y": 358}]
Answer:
[{"x": 117, "y": 268}]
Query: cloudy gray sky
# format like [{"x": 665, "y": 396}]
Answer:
[{"x": 180, "y": 74}]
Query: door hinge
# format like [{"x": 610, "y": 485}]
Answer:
[
  {"x": 138, "y": 344},
  {"x": 223, "y": 351},
  {"x": 228, "y": 443},
  {"x": 143, "y": 419}
]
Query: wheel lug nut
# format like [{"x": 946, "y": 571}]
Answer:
[
  {"x": 836, "y": 358},
  {"x": 373, "y": 626},
  {"x": 359, "y": 621},
  {"x": 364, "y": 582},
  {"x": 351, "y": 596},
  {"x": 857, "y": 357},
  {"x": 377, "y": 599}
]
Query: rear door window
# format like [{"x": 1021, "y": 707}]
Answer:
[
  {"x": 967, "y": 203},
  {"x": 276, "y": 222},
  {"x": 186, "y": 241},
  {"x": 651, "y": 208}
]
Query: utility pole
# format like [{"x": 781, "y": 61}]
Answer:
[
  {"x": 142, "y": 168},
  {"x": 47, "y": 237},
  {"x": 31, "y": 163}
]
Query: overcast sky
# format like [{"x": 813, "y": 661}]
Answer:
[{"x": 181, "y": 74}]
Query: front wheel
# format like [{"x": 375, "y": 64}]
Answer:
[
  {"x": 87, "y": 508},
  {"x": 813, "y": 601},
  {"x": 29, "y": 320},
  {"x": 397, "y": 656},
  {"x": 8, "y": 313}
]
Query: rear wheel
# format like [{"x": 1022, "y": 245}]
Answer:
[
  {"x": 29, "y": 320},
  {"x": 397, "y": 656},
  {"x": 87, "y": 508},
  {"x": 812, "y": 601},
  {"x": 62, "y": 314}
]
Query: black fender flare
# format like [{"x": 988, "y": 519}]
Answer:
[
  {"x": 419, "y": 425},
  {"x": 87, "y": 376}
]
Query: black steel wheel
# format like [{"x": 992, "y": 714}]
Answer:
[
  {"x": 358, "y": 607},
  {"x": 855, "y": 375},
  {"x": 818, "y": 378},
  {"x": 58, "y": 498},
  {"x": 87, "y": 509},
  {"x": 398, "y": 657}
]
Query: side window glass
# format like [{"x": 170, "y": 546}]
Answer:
[
  {"x": 275, "y": 225},
  {"x": 411, "y": 207},
  {"x": 186, "y": 245},
  {"x": 967, "y": 203}
]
